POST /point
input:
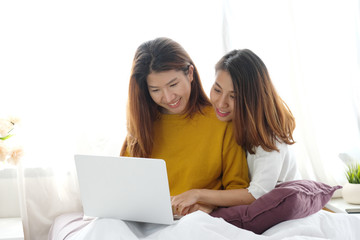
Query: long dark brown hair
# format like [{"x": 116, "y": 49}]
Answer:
[
  {"x": 261, "y": 117},
  {"x": 154, "y": 56}
]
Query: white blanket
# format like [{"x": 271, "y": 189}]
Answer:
[{"x": 199, "y": 225}]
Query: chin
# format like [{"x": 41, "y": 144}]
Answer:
[
  {"x": 224, "y": 119},
  {"x": 176, "y": 111},
  {"x": 221, "y": 118}
]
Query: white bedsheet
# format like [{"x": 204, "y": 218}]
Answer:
[{"x": 199, "y": 225}]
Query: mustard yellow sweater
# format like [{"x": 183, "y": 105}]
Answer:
[{"x": 200, "y": 152}]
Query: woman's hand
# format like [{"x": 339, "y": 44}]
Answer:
[
  {"x": 181, "y": 203},
  {"x": 202, "y": 207},
  {"x": 188, "y": 202},
  {"x": 193, "y": 208}
]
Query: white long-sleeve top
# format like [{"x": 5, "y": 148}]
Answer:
[{"x": 267, "y": 169}]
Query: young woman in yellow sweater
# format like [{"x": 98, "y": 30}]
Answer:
[{"x": 170, "y": 117}]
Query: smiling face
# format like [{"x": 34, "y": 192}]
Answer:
[
  {"x": 170, "y": 89},
  {"x": 222, "y": 96}
]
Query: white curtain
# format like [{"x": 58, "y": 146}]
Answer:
[
  {"x": 312, "y": 52},
  {"x": 64, "y": 71},
  {"x": 65, "y": 65}
]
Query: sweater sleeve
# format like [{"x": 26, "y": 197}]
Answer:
[{"x": 235, "y": 169}]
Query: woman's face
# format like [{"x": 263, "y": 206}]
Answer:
[
  {"x": 170, "y": 89},
  {"x": 222, "y": 96}
]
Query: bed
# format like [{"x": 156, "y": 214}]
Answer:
[
  {"x": 199, "y": 225},
  {"x": 293, "y": 210}
]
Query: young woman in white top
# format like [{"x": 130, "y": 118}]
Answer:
[{"x": 263, "y": 126}]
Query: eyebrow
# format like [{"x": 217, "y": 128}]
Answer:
[
  {"x": 217, "y": 84},
  {"x": 169, "y": 83}
]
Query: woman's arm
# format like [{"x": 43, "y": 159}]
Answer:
[{"x": 183, "y": 202}]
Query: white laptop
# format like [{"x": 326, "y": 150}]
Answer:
[{"x": 132, "y": 189}]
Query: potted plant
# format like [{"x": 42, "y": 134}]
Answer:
[{"x": 351, "y": 190}]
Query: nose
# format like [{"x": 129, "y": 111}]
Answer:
[
  {"x": 168, "y": 96},
  {"x": 223, "y": 103}
]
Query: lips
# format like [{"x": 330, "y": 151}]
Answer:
[
  {"x": 175, "y": 104},
  {"x": 221, "y": 113}
]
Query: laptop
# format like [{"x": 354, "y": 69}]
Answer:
[{"x": 127, "y": 188}]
